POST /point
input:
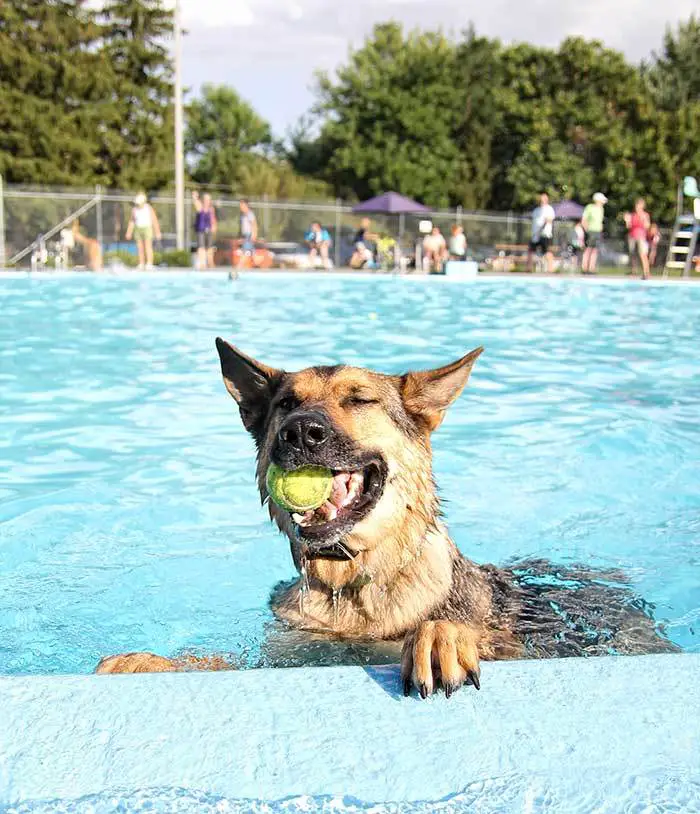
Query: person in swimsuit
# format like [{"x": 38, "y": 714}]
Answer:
[
  {"x": 205, "y": 229},
  {"x": 143, "y": 227},
  {"x": 638, "y": 223},
  {"x": 249, "y": 232}
]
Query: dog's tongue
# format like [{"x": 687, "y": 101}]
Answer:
[
  {"x": 339, "y": 490},
  {"x": 346, "y": 487}
]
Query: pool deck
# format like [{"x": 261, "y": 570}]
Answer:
[
  {"x": 348, "y": 273},
  {"x": 560, "y": 728}
]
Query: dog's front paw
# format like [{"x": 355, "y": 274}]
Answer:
[
  {"x": 440, "y": 652},
  {"x": 135, "y": 663}
]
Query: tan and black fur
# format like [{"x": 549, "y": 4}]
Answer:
[{"x": 399, "y": 575}]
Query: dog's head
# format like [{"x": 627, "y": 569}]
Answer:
[{"x": 371, "y": 430}]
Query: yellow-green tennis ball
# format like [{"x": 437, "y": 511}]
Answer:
[{"x": 299, "y": 490}]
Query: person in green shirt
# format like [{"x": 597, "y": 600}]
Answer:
[{"x": 592, "y": 220}]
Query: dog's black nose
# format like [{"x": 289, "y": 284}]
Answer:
[{"x": 305, "y": 432}]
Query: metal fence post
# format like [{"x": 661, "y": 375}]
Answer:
[
  {"x": 338, "y": 227},
  {"x": 2, "y": 224},
  {"x": 98, "y": 212},
  {"x": 459, "y": 212},
  {"x": 266, "y": 215}
]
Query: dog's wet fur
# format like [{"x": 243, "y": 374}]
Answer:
[{"x": 384, "y": 570}]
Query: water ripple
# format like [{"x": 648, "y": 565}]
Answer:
[{"x": 128, "y": 513}]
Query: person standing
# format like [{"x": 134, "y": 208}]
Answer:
[
  {"x": 143, "y": 226},
  {"x": 638, "y": 223},
  {"x": 458, "y": 243},
  {"x": 542, "y": 230},
  {"x": 592, "y": 221},
  {"x": 249, "y": 231},
  {"x": 653, "y": 239},
  {"x": 578, "y": 243},
  {"x": 205, "y": 229}
]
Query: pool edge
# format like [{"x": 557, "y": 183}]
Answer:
[{"x": 272, "y": 734}]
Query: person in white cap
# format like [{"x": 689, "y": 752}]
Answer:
[
  {"x": 592, "y": 221},
  {"x": 542, "y": 230},
  {"x": 144, "y": 226}
]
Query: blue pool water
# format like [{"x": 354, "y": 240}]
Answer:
[{"x": 129, "y": 517}]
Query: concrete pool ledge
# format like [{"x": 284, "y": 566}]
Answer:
[
  {"x": 560, "y": 728},
  {"x": 346, "y": 273}
]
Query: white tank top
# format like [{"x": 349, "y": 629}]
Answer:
[{"x": 142, "y": 216}]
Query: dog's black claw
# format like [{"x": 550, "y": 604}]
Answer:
[
  {"x": 474, "y": 678},
  {"x": 449, "y": 689},
  {"x": 407, "y": 686},
  {"x": 423, "y": 691}
]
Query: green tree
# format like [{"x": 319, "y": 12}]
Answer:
[
  {"x": 52, "y": 79},
  {"x": 479, "y": 72},
  {"x": 674, "y": 73},
  {"x": 390, "y": 118},
  {"x": 225, "y": 137},
  {"x": 572, "y": 120},
  {"x": 230, "y": 145},
  {"x": 673, "y": 80},
  {"x": 136, "y": 128}
]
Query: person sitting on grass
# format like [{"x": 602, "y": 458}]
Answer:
[
  {"x": 143, "y": 226},
  {"x": 434, "y": 251},
  {"x": 364, "y": 251},
  {"x": 318, "y": 240}
]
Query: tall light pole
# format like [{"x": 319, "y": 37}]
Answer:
[{"x": 179, "y": 149}]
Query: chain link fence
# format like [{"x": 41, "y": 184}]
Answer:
[{"x": 30, "y": 215}]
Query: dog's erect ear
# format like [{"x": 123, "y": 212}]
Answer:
[
  {"x": 428, "y": 393},
  {"x": 249, "y": 382}
]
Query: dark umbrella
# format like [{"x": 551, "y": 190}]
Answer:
[
  {"x": 568, "y": 210},
  {"x": 391, "y": 203}
]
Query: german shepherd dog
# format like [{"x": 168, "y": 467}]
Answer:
[{"x": 376, "y": 562}]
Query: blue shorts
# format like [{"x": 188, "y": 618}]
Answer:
[{"x": 247, "y": 245}]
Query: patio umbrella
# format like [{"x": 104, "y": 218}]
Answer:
[
  {"x": 391, "y": 203},
  {"x": 568, "y": 210}
]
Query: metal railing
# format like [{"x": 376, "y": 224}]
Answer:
[{"x": 30, "y": 217}]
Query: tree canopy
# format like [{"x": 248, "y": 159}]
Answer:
[
  {"x": 86, "y": 97},
  {"x": 472, "y": 122}
]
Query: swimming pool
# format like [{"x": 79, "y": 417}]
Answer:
[{"x": 129, "y": 515}]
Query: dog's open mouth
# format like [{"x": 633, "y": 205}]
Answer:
[{"x": 354, "y": 494}]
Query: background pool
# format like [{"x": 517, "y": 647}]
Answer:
[{"x": 129, "y": 517}]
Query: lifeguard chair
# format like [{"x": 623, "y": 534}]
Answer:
[{"x": 684, "y": 240}]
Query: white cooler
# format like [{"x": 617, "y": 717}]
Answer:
[{"x": 461, "y": 268}]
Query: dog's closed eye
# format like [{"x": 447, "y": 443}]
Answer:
[{"x": 359, "y": 401}]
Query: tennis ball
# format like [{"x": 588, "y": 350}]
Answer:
[{"x": 298, "y": 490}]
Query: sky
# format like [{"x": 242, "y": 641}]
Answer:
[{"x": 268, "y": 50}]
